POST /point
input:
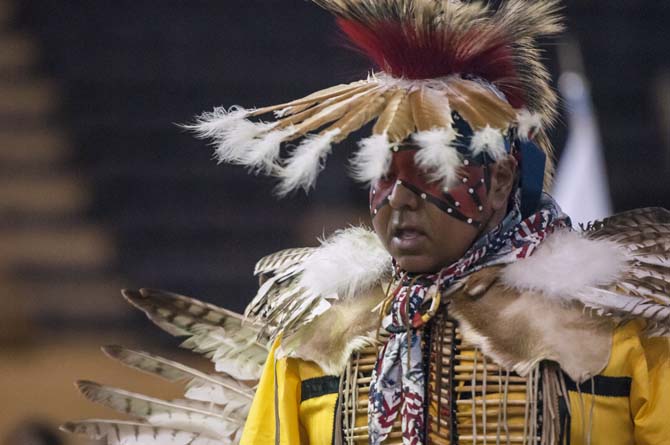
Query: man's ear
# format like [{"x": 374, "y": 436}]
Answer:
[{"x": 503, "y": 176}]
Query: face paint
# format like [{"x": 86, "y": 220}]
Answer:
[{"x": 464, "y": 201}]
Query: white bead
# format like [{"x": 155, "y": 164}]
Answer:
[
  {"x": 399, "y": 182},
  {"x": 469, "y": 220},
  {"x": 458, "y": 204},
  {"x": 466, "y": 162},
  {"x": 471, "y": 191},
  {"x": 465, "y": 180},
  {"x": 450, "y": 210},
  {"x": 424, "y": 196}
]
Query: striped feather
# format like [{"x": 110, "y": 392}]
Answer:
[
  {"x": 118, "y": 432},
  {"x": 281, "y": 260},
  {"x": 162, "y": 413},
  {"x": 221, "y": 335},
  {"x": 219, "y": 389},
  {"x": 625, "y": 307}
]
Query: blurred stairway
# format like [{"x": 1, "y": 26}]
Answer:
[{"x": 55, "y": 263}]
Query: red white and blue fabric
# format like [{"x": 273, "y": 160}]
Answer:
[{"x": 398, "y": 383}]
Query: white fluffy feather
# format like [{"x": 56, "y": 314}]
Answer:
[
  {"x": 262, "y": 153},
  {"x": 528, "y": 124},
  {"x": 305, "y": 163},
  {"x": 232, "y": 133},
  {"x": 437, "y": 157},
  {"x": 565, "y": 264},
  {"x": 373, "y": 160},
  {"x": 349, "y": 262},
  {"x": 489, "y": 140}
]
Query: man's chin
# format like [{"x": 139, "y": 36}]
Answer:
[{"x": 417, "y": 263}]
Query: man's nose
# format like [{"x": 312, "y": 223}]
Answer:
[{"x": 402, "y": 197}]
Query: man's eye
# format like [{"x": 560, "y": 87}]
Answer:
[{"x": 387, "y": 179}]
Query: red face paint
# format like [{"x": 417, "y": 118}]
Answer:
[{"x": 464, "y": 201}]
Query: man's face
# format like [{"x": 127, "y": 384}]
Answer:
[{"x": 423, "y": 228}]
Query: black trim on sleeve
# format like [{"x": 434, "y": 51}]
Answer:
[
  {"x": 319, "y": 386},
  {"x": 604, "y": 386}
]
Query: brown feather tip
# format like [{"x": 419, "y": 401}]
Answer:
[
  {"x": 68, "y": 427},
  {"x": 86, "y": 388},
  {"x": 131, "y": 295},
  {"x": 112, "y": 351}
]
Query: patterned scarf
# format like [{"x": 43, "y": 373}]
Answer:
[{"x": 398, "y": 381}]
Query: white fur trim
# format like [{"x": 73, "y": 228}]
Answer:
[
  {"x": 437, "y": 157},
  {"x": 528, "y": 124},
  {"x": 305, "y": 163},
  {"x": 489, "y": 140},
  {"x": 373, "y": 160},
  {"x": 565, "y": 264},
  {"x": 349, "y": 262}
]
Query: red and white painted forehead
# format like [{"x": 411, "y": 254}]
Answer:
[{"x": 464, "y": 200}]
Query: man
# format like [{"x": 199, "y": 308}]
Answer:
[{"x": 474, "y": 314}]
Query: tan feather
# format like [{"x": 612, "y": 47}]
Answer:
[
  {"x": 430, "y": 109},
  {"x": 313, "y": 98},
  {"x": 318, "y": 107},
  {"x": 333, "y": 112},
  {"x": 396, "y": 120},
  {"x": 360, "y": 115}
]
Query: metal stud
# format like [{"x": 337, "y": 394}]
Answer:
[
  {"x": 458, "y": 204},
  {"x": 481, "y": 208},
  {"x": 450, "y": 210},
  {"x": 465, "y": 180},
  {"x": 424, "y": 196},
  {"x": 471, "y": 191},
  {"x": 466, "y": 162},
  {"x": 469, "y": 220}
]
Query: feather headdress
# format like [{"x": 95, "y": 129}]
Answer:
[{"x": 437, "y": 60}]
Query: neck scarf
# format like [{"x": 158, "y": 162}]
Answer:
[{"x": 397, "y": 387}]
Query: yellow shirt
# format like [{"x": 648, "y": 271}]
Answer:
[{"x": 295, "y": 403}]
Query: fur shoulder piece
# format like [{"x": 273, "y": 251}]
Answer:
[
  {"x": 618, "y": 267},
  {"x": 563, "y": 302},
  {"x": 299, "y": 285}
]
